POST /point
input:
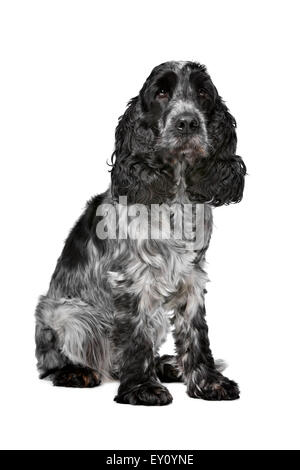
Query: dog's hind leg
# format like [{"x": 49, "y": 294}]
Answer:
[
  {"x": 167, "y": 369},
  {"x": 71, "y": 342},
  {"x": 76, "y": 376}
]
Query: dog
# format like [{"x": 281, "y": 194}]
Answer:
[{"x": 113, "y": 296}]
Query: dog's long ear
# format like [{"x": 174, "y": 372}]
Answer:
[
  {"x": 124, "y": 143},
  {"x": 219, "y": 178},
  {"x": 136, "y": 172},
  {"x": 125, "y": 130}
]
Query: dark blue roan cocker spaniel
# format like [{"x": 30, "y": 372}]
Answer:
[{"x": 117, "y": 287}]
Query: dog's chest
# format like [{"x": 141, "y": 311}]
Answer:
[{"x": 154, "y": 269}]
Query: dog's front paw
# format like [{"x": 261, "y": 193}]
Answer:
[
  {"x": 211, "y": 385},
  {"x": 149, "y": 394}
]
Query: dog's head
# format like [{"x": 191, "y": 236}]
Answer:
[{"x": 177, "y": 129}]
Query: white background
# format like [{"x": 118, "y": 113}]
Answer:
[{"x": 67, "y": 70}]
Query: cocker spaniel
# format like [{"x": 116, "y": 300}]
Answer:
[{"x": 118, "y": 284}]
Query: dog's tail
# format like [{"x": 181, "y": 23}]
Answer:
[{"x": 220, "y": 365}]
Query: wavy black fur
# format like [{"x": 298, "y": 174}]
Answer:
[{"x": 106, "y": 312}]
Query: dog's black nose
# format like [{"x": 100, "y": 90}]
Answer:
[{"x": 187, "y": 124}]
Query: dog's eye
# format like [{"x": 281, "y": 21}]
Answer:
[
  {"x": 202, "y": 93},
  {"x": 162, "y": 94}
]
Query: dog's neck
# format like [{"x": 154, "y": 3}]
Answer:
[{"x": 180, "y": 184}]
